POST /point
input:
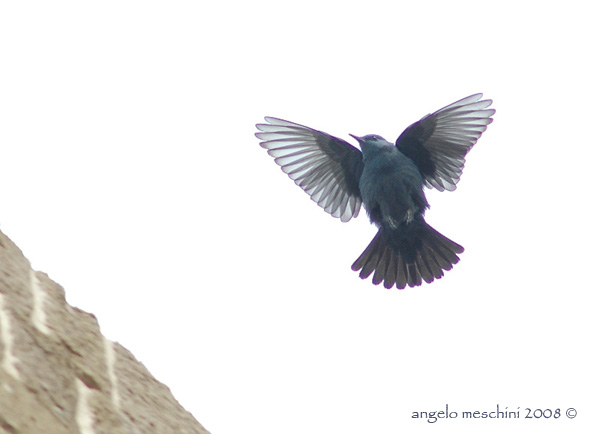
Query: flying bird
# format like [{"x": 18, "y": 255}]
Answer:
[{"x": 388, "y": 180}]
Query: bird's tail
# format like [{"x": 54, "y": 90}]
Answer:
[{"x": 407, "y": 256}]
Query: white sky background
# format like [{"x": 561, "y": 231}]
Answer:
[{"x": 130, "y": 174}]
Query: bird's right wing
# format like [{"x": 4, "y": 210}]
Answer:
[
  {"x": 325, "y": 167},
  {"x": 439, "y": 142}
]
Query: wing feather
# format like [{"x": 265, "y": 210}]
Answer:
[
  {"x": 439, "y": 142},
  {"x": 325, "y": 167}
]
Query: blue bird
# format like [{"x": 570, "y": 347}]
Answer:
[{"x": 388, "y": 180}]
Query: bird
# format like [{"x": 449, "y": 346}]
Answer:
[{"x": 388, "y": 180}]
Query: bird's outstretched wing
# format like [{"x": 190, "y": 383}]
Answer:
[
  {"x": 325, "y": 167},
  {"x": 439, "y": 142}
]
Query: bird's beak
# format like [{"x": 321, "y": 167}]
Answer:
[{"x": 356, "y": 137}]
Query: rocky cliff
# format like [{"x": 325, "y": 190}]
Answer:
[{"x": 58, "y": 374}]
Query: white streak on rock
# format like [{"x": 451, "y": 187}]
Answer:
[
  {"x": 9, "y": 361},
  {"x": 109, "y": 350},
  {"x": 83, "y": 414},
  {"x": 38, "y": 315}
]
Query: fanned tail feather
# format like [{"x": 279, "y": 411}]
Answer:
[{"x": 408, "y": 256}]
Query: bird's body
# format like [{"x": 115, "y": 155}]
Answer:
[
  {"x": 388, "y": 180},
  {"x": 391, "y": 185}
]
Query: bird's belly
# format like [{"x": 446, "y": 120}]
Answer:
[{"x": 392, "y": 197}]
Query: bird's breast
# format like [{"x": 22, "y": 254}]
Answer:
[{"x": 392, "y": 190}]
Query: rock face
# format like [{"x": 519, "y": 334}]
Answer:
[{"x": 58, "y": 374}]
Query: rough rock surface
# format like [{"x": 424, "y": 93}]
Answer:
[{"x": 58, "y": 374}]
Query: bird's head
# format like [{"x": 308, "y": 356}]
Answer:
[{"x": 371, "y": 142}]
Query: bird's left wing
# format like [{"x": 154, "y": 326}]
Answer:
[
  {"x": 439, "y": 142},
  {"x": 325, "y": 167}
]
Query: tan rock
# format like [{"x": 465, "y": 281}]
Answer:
[{"x": 58, "y": 374}]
